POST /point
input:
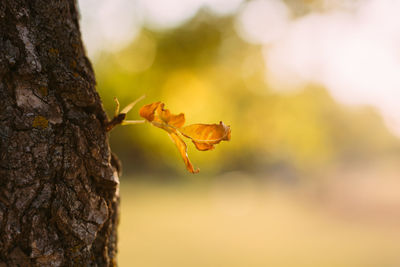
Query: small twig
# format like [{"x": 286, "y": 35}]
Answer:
[
  {"x": 119, "y": 117},
  {"x": 131, "y": 105},
  {"x": 116, "y": 111}
]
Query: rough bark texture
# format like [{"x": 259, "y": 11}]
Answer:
[{"x": 58, "y": 190}]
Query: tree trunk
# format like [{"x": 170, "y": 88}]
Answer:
[{"x": 58, "y": 189}]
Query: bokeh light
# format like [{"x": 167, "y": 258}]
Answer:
[{"x": 263, "y": 21}]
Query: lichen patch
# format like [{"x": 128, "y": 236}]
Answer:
[{"x": 40, "y": 122}]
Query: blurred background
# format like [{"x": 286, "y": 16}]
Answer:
[{"x": 310, "y": 89}]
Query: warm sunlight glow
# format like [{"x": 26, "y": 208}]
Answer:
[{"x": 309, "y": 87}]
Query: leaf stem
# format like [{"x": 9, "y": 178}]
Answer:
[{"x": 132, "y": 122}]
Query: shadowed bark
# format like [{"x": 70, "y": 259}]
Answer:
[{"x": 58, "y": 189}]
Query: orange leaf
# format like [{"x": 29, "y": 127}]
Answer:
[
  {"x": 147, "y": 111},
  {"x": 204, "y": 136},
  {"x": 165, "y": 115},
  {"x": 181, "y": 145}
]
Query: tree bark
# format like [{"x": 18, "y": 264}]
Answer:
[{"x": 58, "y": 189}]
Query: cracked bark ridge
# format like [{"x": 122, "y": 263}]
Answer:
[{"x": 58, "y": 190}]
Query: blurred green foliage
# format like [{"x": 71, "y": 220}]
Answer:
[{"x": 205, "y": 70}]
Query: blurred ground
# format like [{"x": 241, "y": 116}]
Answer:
[{"x": 236, "y": 221}]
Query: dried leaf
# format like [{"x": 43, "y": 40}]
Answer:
[
  {"x": 147, "y": 111},
  {"x": 204, "y": 136},
  {"x": 181, "y": 145},
  {"x": 176, "y": 121}
]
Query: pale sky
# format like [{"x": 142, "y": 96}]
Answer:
[
  {"x": 111, "y": 24},
  {"x": 354, "y": 53}
]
